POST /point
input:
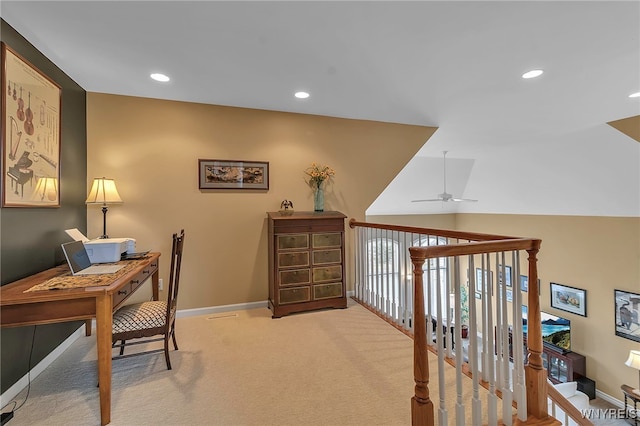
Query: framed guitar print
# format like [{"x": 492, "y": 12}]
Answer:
[{"x": 31, "y": 104}]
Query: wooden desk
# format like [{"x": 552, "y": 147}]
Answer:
[
  {"x": 635, "y": 398},
  {"x": 50, "y": 306}
]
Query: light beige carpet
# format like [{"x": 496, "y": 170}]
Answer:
[{"x": 329, "y": 367}]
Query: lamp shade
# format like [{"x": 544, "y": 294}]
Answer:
[
  {"x": 634, "y": 360},
  {"x": 103, "y": 191}
]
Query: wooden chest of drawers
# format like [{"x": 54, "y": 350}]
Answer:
[{"x": 306, "y": 262}]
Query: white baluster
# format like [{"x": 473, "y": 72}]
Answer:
[
  {"x": 473, "y": 353},
  {"x": 442, "y": 410},
  {"x": 507, "y": 396},
  {"x": 460, "y": 411},
  {"x": 492, "y": 402},
  {"x": 519, "y": 389}
]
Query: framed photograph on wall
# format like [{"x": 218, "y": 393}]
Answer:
[
  {"x": 627, "y": 307},
  {"x": 509, "y": 295},
  {"x": 569, "y": 299},
  {"x": 479, "y": 282},
  {"x": 524, "y": 284},
  {"x": 31, "y": 104},
  {"x": 233, "y": 174},
  {"x": 507, "y": 271}
]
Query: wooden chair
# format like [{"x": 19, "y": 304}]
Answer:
[{"x": 147, "y": 320}]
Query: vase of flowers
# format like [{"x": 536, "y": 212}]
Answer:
[{"x": 317, "y": 175}]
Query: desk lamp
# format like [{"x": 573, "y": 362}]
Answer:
[
  {"x": 103, "y": 191},
  {"x": 634, "y": 362}
]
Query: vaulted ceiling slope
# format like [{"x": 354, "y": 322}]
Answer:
[{"x": 539, "y": 146}]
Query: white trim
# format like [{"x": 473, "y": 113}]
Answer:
[
  {"x": 218, "y": 309},
  {"x": 10, "y": 394},
  {"x": 609, "y": 399}
]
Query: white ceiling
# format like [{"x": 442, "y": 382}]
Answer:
[{"x": 537, "y": 146}]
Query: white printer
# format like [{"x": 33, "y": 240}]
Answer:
[
  {"x": 109, "y": 249},
  {"x": 104, "y": 250}
]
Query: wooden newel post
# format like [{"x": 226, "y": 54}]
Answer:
[
  {"x": 421, "y": 405},
  {"x": 534, "y": 372}
]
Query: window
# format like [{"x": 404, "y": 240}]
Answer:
[
  {"x": 433, "y": 268},
  {"x": 384, "y": 267}
]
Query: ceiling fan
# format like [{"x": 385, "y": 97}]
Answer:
[{"x": 445, "y": 196}]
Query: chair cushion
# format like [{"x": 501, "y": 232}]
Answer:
[
  {"x": 567, "y": 389},
  {"x": 145, "y": 315}
]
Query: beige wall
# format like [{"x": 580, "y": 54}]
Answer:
[
  {"x": 598, "y": 254},
  {"x": 151, "y": 148}
]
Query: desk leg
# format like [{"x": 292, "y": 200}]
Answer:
[
  {"x": 104, "y": 320},
  {"x": 155, "y": 285},
  {"x": 87, "y": 327}
]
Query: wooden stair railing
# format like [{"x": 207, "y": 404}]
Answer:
[
  {"x": 535, "y": 375},
  {"x": 535, "y": 378}
]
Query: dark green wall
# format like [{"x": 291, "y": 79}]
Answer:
[{"x": 30, "y": 238}]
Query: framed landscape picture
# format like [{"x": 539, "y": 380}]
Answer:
[
  {"x": 233, "y": 174},
  {"x": 627, "y": 306},
  {"x": 569, "y": 299}
]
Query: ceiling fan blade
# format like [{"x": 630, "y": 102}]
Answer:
[
  {"x": 431, "y": 199},
  {"x": 463, "y": 199}
]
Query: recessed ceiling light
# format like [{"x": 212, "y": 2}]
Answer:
[
  {"x": 532, "y": 74},
  {"x": 301, "y": 95},
  {"x": 160, "y": 77},
  {"x": 635, "y": 95}
]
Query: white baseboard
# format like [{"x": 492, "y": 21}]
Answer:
[
  {"x": 609, "y": 399},
  {"x": 21, "y": 384},
  {"x": 218, "y": 309}
]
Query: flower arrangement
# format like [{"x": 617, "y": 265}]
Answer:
[{"x": 318, "y": 174}]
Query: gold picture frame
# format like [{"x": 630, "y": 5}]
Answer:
[{"x": 31, "y": 105}]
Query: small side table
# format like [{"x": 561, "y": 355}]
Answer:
[
  {"x": 629, "y": 393},
  {"x": 587, "y": 386}
]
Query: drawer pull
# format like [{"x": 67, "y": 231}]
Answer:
[
  {"x": 122, "y": 292},
  {"x": 134, "y": 281},
  {"x": 154, "y": 265},
  {"x": 145, "y": 272}
]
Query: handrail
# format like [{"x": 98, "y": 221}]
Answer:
[
  {"x": 463, "y": 235},
  {"x": 431, "y": 252},
  {"x": 569, "y": 409}
]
